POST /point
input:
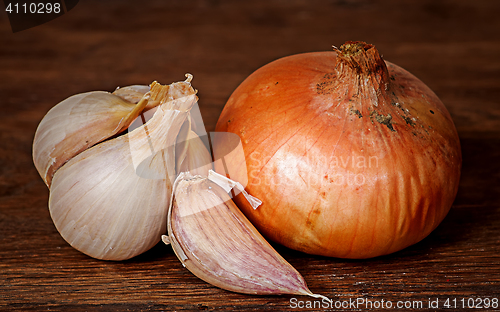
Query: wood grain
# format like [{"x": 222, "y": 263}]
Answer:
[{"x": 453, "y": 46}]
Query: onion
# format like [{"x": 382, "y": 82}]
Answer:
[{"x": 352, "y": 156}]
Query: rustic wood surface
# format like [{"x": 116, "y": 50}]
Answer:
[{"x": 453, "y": 46}]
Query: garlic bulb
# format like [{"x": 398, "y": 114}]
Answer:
[
  {"x": 110, "y": 201},
  {"x": 217, "y": 243}
]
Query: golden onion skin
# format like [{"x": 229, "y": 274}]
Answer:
[{"x": 352, "y": 156}]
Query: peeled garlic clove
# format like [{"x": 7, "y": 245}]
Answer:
[
  {"x": 217, "y": 243},
  {"x": 111, "y": 200},
  {"x": 78, "y": 123}
]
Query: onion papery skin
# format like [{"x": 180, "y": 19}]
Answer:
[{"x": 352, "y": 156}]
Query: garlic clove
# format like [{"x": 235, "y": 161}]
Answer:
[
  {"x": 216, "y": 242},
  {"x": 78, "y": 123},
  {"x": 110, "y": 201}
]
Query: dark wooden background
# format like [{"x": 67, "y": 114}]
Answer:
[{"x": 453, "y": 46}]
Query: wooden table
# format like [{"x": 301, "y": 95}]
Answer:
[{"x": 453, "y": 46}]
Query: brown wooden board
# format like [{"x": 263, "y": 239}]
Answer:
[{"x": 453, "y": 46}]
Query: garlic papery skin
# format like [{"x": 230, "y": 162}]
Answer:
[
  {"x": 195, "y": 157},
  {"x": 78, "y": 123},
  {"x": 111, "y": 200},
  {"x": 214, "y": 240},
  {"x": 132, "y": 94}
]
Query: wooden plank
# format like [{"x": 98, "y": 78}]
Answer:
[{"x": 453, "y": 46}]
